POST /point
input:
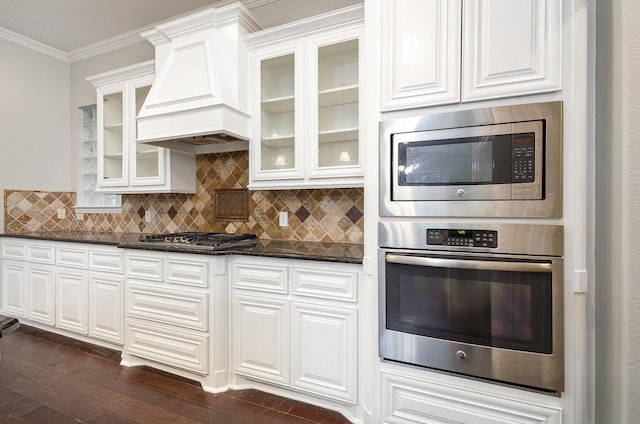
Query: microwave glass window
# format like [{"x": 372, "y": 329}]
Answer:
[
  {"x": 502, "y": 309},
  {"x": 466, "y": 161},
  {"x": 459, "y": 162}
]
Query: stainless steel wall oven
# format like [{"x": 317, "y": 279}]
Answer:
[
  {"x": 497, "y": 162},
  {"x": 481, "y": 300}
]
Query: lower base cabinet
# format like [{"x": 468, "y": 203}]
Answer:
[
  {"x": 261, "y": 338},
  {"x": 167, "y": 309},
  {"x": 407, "y": 400},
  {"x": 13, "y": 288},
  {"x": 187, "y": 350},
  {"x": 75, "y": 287},
  {"x": 323, "y": 355},
  {"x": 41, "y": 289},
  {"x": 295, "y": 325},
  {"x": 71, "y": 300},
  {"x": 106, "y": 307}
]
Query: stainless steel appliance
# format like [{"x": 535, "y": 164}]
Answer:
[
  {"x": 199, "y": 240},
  {"x": 502, "y": 161},
  {"x": 480, "y": 300}
]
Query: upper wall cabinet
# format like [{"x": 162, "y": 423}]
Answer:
[
  {"x": 306, "y": 103},
  {"x": 123, "y": 165},
  {"x": 446, "y": 51}
]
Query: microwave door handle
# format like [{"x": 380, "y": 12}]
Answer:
[{"x": 469, "y": 264}]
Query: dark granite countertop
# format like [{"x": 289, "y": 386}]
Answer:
[{"x": 287, "y": 249}]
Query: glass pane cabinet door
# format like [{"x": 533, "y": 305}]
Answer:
[
  {"x": 338, "y": 105},
  {"x": 113, "y": 158},
  {"x": 277, "y": 101},
  {"x": 147, "y": 157}
]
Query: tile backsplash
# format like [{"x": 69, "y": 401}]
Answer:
[{"x": 334, "y": 215}]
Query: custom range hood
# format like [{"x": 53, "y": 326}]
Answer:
[{"x": 199, "y": 101}]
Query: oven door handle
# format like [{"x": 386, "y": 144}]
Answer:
[{"x": 469, "y": 264}]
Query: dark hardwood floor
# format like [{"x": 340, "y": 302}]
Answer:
[{"x": 49, "y": 379}]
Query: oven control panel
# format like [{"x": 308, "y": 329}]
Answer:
[{"x": 462, "y": 238}]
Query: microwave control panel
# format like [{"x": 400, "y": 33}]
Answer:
[
  {"x": 462, "y": 238},
  {"x": 523, "y": 158}
]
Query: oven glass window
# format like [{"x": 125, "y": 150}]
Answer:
[
  {"x": 468, "y": 161},
  {"x": 504, "y": 309}
]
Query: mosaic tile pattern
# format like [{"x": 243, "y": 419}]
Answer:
[{"x": 330, "y": 215}]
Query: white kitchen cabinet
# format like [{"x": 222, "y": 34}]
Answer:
[
  {"x": 14, "y": 253},
  {"x": 167, "y": 311},
  {"x": 106, "y": 307},
  {"x": 13, "y": 288},
  {"x": 40, "y": 283},
  {"x": 76, "y": 287},
  {"x": 106, "y": 293},
  {"x": 28, "y": 280},
  {"x": 299, "y": 331},
  {"x": 72, "y": 287},
  {"x": 125, "y": 166},
  {"x": 408, "y": 400},
  {"x": 420, "y": 53},
  {"x": 506, "y": 48},
  {"x": 71, "y": 300},
  {"x": 307, "y": 102},
  {"x": 261, "y": 338},
  {"x": 324, "y": 350},
  {"x": 41, "y": 294}
]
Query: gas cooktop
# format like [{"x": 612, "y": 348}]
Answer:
[{"x": 200, "y": 240}]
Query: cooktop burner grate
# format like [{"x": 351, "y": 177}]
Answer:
[{"x": 199, "y": 239}]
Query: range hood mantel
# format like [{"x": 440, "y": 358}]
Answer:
[{"x": 199, "y": 101}]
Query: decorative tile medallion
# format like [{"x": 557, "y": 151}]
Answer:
[{"x": 332, "y": 215}]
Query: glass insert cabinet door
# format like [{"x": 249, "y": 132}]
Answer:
[
  {"x": 278, "y": 113},
  {"x": 148, "y": 160},
  {"x": 113, "y": 153},
  {"x": 338, "y": 105}
]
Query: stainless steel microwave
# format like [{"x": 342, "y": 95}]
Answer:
[{"x": 498, "y": 162}]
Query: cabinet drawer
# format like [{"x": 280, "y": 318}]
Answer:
[
  {"x": 186, "y": 309},
  {"x": 106, "y": 261},
  {"x": 41, "y": 253},
  {"x": 313, "y": 282},
  {"x": 14, "y": 249},
  {"x": 260, "y": 276},
  {"x": 169, "y": 346},
  {"x": 72, "y": 257},
  {"x": 190, "y": 273},
  {"x": 144, "y": 267},
  {"x": 407, "y": 400}
]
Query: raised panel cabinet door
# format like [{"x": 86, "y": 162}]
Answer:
[
  {"x": 13, "y": 288},
  {"x": 106, "y": 307},
  {"x": 420, "y": 53},
  {"x": 324, "y": 351},
  {"x": 71, "y": 301},
  {"x": 41, "y": 290},
  {"x": 261, "y": 338},
  {"x": 511, "y": 48}
]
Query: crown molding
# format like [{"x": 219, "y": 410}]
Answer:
[
  {"x": 32, "y": 44},
  {"x": 113, "y": 43},
  {"x": 105, "y": 46}
]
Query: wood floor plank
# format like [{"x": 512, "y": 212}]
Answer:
[{"x": 48, "y": 378}]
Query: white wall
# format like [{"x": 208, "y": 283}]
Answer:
[
  {"x": 34, "y": 121},
  {"x": 617, "y": 396}
]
